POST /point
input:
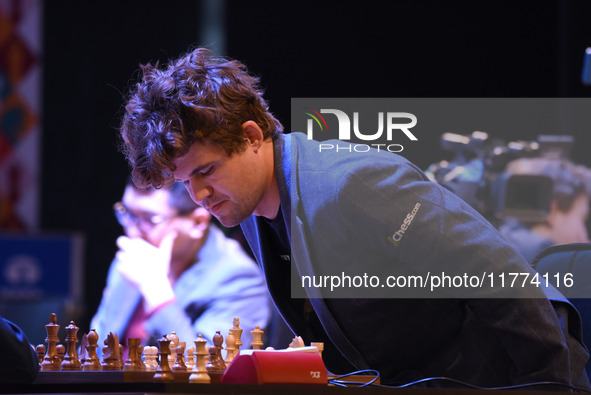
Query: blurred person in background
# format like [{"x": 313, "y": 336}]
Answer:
[
  {"x": 566, "y": 221},
  {"x": 176, "y": 271}
]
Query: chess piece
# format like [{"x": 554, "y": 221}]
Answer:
[
  {"x": 319, "y": 346},
  {"x": 133, "y": 358},
  {"x": 257, "y": 338},
  {"x": 71, "y": 360},
  {"x": 111, "y": 356},
  {"x": 61, "y": 352},
  {"x": 199, "y": 373},
  {"x": 120, "y": 362},
  {"x": 174, "y": 341},
  {"x": 216, "y": 363},
  {"x": 83, "y": 353},
  {"x": 164, "y": 372},
  {"x": 216, "y": 366},
  {"x": 237, "y": 332},
  {"x": 190, "y": 358},
  {"x": 230, "y": 347},
  {"x": 206, "y": 359},
  {"x": 179, "y": 364},
  {"x": 142, "y": 365},
  {"x": 184, "y": 344},
  {"x": 297, "y": 342},
  {"x": 151, "y": 358},
  {"x": 51, "y": 360},
  {"x": 40, "y": 349},
  {"x": 92, "y": 361}
]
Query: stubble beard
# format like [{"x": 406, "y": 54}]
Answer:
[{"x": 235, "y": 217}]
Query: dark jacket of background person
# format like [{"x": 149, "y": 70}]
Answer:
[{"x": 19, "y": 361}]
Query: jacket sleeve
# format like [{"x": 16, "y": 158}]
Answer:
[
  {"x": 118, "y": 303},
  {"x": 19, "y": 362}
]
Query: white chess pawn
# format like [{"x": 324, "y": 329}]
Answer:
[
  {"x": 151, "y": 358},
  {"x": 190, "y": 358}
]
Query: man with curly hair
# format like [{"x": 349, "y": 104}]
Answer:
[{"x": 202, "y": 120}]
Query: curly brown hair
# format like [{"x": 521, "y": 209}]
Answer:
[{"x": 197, "y": 98}]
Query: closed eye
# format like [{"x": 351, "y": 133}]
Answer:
[{"x": 207, "y": 171}]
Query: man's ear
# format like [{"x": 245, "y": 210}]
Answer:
[
  {"x": 201, "y": 220},
  {"x": 253, "y": 133}
]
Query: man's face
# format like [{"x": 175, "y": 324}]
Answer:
[
  {"x": 230, "y": 187},
  {"x": 144, "y": 208},
  {"x": 151, "y": 218}
]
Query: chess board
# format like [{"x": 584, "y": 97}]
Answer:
[
  {"x": 66, "y": 370},
  {"x": 170, "y": 362}
]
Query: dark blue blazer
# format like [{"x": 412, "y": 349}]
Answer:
[{"x": 350, "y": 213}]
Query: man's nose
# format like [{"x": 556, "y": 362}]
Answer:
[
  {"x": 198, "y": 191},
  {"x": 133, "y": 230}
]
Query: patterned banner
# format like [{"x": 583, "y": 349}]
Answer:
[{"x": 20, "y": 109}]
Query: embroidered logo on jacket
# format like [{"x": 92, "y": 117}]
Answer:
[{"x": 397, "y": 236}]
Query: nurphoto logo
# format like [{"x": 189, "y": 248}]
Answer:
[{"x": 390, "y": 125}]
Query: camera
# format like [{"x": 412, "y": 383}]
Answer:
[{"x": 477, "y": 174}]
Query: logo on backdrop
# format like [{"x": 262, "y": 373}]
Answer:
[{"x": 391, "y": 126}]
